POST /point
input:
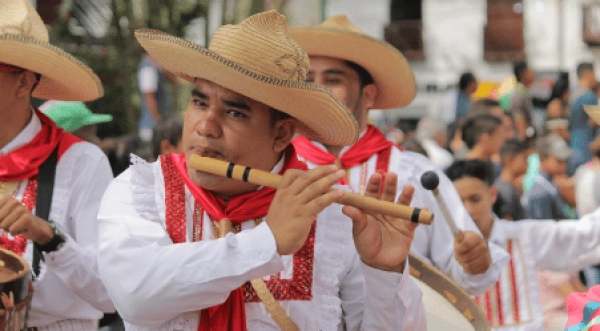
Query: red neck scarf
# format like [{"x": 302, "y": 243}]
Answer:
[
  {"x": 372, "y": 142},
  {"x": 231, "y": 315},
  {"x": 24, "y": 162}
]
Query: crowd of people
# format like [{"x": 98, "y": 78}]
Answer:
[{"x": 169, "y": 247}]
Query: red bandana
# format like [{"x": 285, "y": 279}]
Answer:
[
  {"x": 231, "y": 315},
  {"x": 24, "y": 162},
  {"x": 372, "y": 142}
]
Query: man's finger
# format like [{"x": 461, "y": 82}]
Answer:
[
  {"x": 320, "y": 186},
  {"x": 306, "y": 178},
  {"x": 373, "y": 186},
  {"x": 316, "y": 205},
  {"x": 406, "y": 196},
  {"x": 390, "y": 187}
]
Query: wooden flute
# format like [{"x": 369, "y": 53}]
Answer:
[{"x": 263, "y": 178}]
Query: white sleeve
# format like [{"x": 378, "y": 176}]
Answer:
[
  {"x": 75, "y": 263},
  {"x": 152, "y": 281},
  {"x": 565, "y": 245},
  {"x": 435, "y": 242},
  {"x": 148, "y": 79},
  {"x": 377, "y": 300}
]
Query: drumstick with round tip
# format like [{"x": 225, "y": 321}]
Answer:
[
  {"x": 263, "y": 178},
  {"x": 430, "y": 181}
]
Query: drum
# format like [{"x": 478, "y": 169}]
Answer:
[
  {"x": 448, "y": 306},
  {"x": 16, "y": 290}
]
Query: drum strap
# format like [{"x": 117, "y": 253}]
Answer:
[{"x": 43, "y": 200}]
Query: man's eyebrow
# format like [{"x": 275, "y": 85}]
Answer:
[
  {"x": 196, "y": 93},
  {"x": 335, "y": 72},
  {"x": 239, "y": 104}
]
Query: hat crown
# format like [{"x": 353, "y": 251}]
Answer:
[
  {"x": 261, "y": 43},
  {"x": 341, "y": 22},
  {"x": 18, "y": 17}
]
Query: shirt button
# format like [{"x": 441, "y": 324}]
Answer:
[{"x": 264, "y": 257}]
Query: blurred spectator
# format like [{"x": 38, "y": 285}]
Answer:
[
  {"x": 456, "y": 145},
  {"x": 76, "y": 118},
  {"x": 559, "y": 100},
  {"x": 432, "y": 135},
  {"x": 152, "y": 83},
  {"x": 167, "y": 136},
  {"x": 492, "y": 107},
  {"x": 582, "y": 132},
  {"x": 483, "y": 135},
  {"x": 587, "y": 182},
  {"x": 544, "y": 201},
  {"x": 521, "y": 105},
  {"x": 411, "y": 144},
  {"x": 456, "y": 103},
  {"x": 514, "y": 155}
]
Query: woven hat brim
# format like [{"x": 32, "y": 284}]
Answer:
[
  {"x": 63, "y": 76},
  {"x": 388, "y": 67},
  {"x": 322, "y": 117},
  {"x": 593, "y": 112}
]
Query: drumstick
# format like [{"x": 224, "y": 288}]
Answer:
[
  {"x": 430, "y": 181},
  {"x": 263, "y": 178}
]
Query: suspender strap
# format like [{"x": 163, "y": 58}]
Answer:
[{"x": 43, "y": 200}]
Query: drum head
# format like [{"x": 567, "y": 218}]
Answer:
[{"x": 448, "y": 306}]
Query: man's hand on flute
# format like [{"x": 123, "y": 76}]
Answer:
[
  {"x": 383, "y": 242},
  {"x": 300, "y": 197}
]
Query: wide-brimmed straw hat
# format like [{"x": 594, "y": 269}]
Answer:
[
  {"x": 258, "y": 59},
  {"x": 593, "y": 112},
  {"x": 338, "y": 38},
  {"x": 24, "y": 44}
]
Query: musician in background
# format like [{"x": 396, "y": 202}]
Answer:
[
  {"x": 513, "y": 303},
  {"x": 365, "y": 73},
  {"x": 42, "y": 167},
  {"x": 181, "y": 249}
]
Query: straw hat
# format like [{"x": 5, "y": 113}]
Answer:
[
  {"x": 24, "y": 44},
  {"x": 593, "y": 112},
  {"x": 337, "y": 37},
  {"x": 258, "y": 59}
]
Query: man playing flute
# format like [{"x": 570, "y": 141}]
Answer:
[
  {"x": 185, "y": 250},
  {"x": 366, "y": 73}
]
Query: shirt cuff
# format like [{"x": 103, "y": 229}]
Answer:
[{"x": 379, "y": 283}]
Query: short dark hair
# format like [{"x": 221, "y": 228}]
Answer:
[
  {"x": 478, "y": 169},
  {"x": 364, "y": 76},
  {"x": 519, "y": 68},
  {"x": 170, "y": 129},
  {"x": 483, "y": 106},
  {"x": 511, "y": 148},
  {"x": 465, "y": 79},
  {"x": 583, "y": 67},
  {"x": 560, "y": 87},
  {"x": 411, "y": 144},
  {"x": 277, "y": 115},
  {"x": 477, "y": 125}
]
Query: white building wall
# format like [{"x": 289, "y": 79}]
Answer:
[{"x": 453, "y": 32}]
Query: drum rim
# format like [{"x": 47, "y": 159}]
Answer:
[{"x": 479, "y": 320}]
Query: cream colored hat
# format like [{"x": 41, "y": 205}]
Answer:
[
  {"x": 593, "y": 112},
  {"x": 258, "y": 59},
  {"x": 24, "y": 44},
  {"x": 337, "y": 37}
]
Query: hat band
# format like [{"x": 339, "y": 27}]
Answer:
[{"x": 10, "y": 68}]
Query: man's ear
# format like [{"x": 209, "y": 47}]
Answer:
[
  {"x": 25, "y": 84},
  {"x": 284, "y": 133},
  {"x": 493, "y": 193},
  {"x": 369, "y": 94}
]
